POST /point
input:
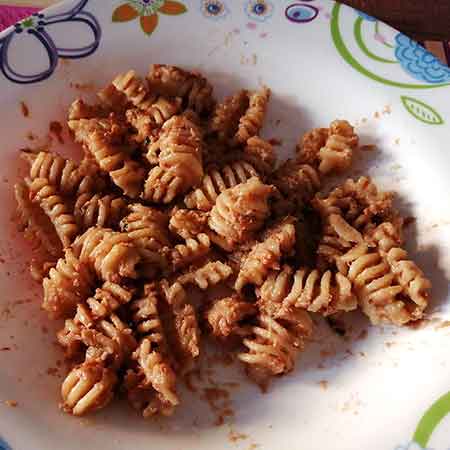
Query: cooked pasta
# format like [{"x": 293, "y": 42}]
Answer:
[
  {"x": 241, "y": 210},
  {"x": 251, "y": 122},
  {"x": 95, "y": 210},
  {"x": 325, "y": 293},
  {"x": 226, "y": 116},
  {"x": 180, "y": 224},
  {"x": 67, "y": 284},
  {"x": 266, "y": 255},
  {"x": 36, "y": 226},
  {"x": 210, "y": 274},
  {"x": 272, "y": 347},
  {"x": 111, "y": 254},
  {"x": 192, "y": 87},
  {"x": 100, "y": 136},
  {"x": 215, "y": 181},
  {"x": 226, "y": 316},
  {"x": 63, "y": 174},
  {"x": 88, "y": 387},
  {"x": 56, "y": 208}
]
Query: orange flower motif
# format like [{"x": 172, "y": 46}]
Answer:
[{"x": 147, "y": 11}]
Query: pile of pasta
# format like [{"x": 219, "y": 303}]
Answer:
[{"x": 178, "y": 225}]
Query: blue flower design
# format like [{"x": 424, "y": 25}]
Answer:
[
  {"x": 214, "y": 9},
  {"x": 4, "y": 445},
  {"x": 258, "y": 10},
  {"x": 38, "y": 27},
  {"x": 366, "y": 16},
  {"x": 419, "y": 62}
]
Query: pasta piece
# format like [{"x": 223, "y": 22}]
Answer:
[
  {"x": 135, "y": 90},
  {"x": 193, "y": 249},
  {"x": 240, "y": 210},
  {"x": 145, "y": 400},
  {"x": 95, "y": 210},
  {"x": 185, "y": 336},
  {"x": 146, "y": 227},
  {"x": 87, "y": 388},
  {"x": 63, "y": 174},
  {"x": 325, "y": 293},
  {"x": 157, "y": 372},
  {"x": 226, "y": 116},
  {"x": 171, "y": 81},
  {"x": 298, "y": 182},
  {"x": 55, "y": 208},
  {"x": 309, "y": 146},
  {"x": 146, "y": 316},
  {"x": 337, "y": 238},
  {"x": 105, "y": 301},
  {"x": 109, "y": 340},
  {"x": 251, "y": 122},
  {"x": 187, "y": 223},
  {"x": 361, "y": 204},
  {"x": 208, "y": 275},
  {"x": 102, "y": 138},
  {"x": 377, "y": 286},
  {"x": 266, "y": 255},
  {"x": 146, "y": 122},
  {"x": 111, "y": 254},
  {"x": 67, "y": 284},
  {"x": 260, "y": 154},
  {"x": 407, "y": 273},
  {"x": 272, "y": 348},
  {"x": 69, "y": 338},
  {"x": 216, "y": 181},
  {"x": 336, "y": 155},
  {"x": 226, "y": 316},
  {"x": 35, "y": 225},
  {"x": 180, "y": 161}
]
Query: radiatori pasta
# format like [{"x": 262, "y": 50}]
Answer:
[{"x": 178, "y": 196}]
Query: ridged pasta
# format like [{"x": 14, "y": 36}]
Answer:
[
  {"x": 325, "y": 293},
  {"x": 185, "y": 336},
  {"x": 241, "y": 210},
  {"x": 208, "y": 275},
  {"x": 111, "y": 254},
  {"x": 102, "y": 138},
  {"x": 162, "y": 186},
  {"x": 157, "y": 371},
  {"x": 103, "y": 303},
  {"x": 297, "y": 182},
  {"x": 194, "y": 89},
  {"x": 251, "y": 122},
  {"x": 146, "y": 227},
  {"x": 215, "y": 181},
  {"x": 226, "y": 115},
  {"x": 336, "y": 155},
  {"x": 225, "y": 316},
  {"x": 260, "y": 154},
  {"x": 63, "y": 174},
  {"x": 136, "y": 92},
  {"x": 56, "y": 208},
  {"x": 310, "y": 144},
  {"x": 67, "y": 284},
  {"x": 36, "y": 226},
  {"x": 193, "y": 249},
  {"x": 188, "y": 223},
  {"x": 360, "y": 202},
  {"x": 272, "y": 349},
  {"x": 96, "y": 210},
  {"x": 87, "y": 388},
  {"x": 266, "y": 255},
  {"x": 390, "y": 288}
]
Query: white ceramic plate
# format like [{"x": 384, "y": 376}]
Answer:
[{"x": 322, "y": 61}]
